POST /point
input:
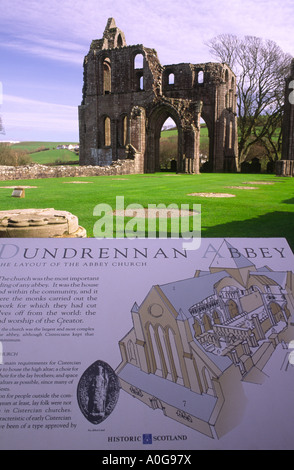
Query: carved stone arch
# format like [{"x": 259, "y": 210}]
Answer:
[
  {"x": 156, "y": 118},
  {"x": 159, "y": 114}
]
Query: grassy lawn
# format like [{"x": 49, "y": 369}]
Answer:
[{"x": 267, "y": 211}]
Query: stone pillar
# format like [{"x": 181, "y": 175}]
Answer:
[
  {"x": 285, "y": 167},
  {"x": 191, "y": 150}
]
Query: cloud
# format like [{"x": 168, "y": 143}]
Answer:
[
  {"x": 48, "y": 48},
  {"x": 64, "y": 30},
  {"x": 38, "y": 116}
]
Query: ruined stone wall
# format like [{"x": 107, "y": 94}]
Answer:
[
  {"x": 286, "y": 167},
  {"x": 8, "y": 173},
  {"x": 128, "y": 95},
  {"x": 109, "y": 118}
]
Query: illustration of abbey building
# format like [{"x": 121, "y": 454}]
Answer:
[{"x": 195, "y": 341}]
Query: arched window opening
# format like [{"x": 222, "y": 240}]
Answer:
[
  {"x": 232, "y": 93},
  {"x": 141, "y": 83},
  {"x": 107, "y": 132},
  {"x": 168, "y": 146},
  {"x": 230, "y": 135},
  {"x": 225, "y": 132},
  {"x": 106, "y": 76},
  {"x": 171, "y": 78},
  {"x": 124, "y": 133},
  {"x": 200, "y": 77},
  {"x": 139, "y": 61},
  {"x": 119, "y": 41},
  {"x": 227, "y": 76},
  {"x": 227, "y": 100}
]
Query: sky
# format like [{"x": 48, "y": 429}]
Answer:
[{"x": 43, "y": 44}]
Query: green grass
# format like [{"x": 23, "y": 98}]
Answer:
[
  {"x": 267, "y": 211},
  {"x": 33, "y": 146},
  {"x": 45, "y": 157},
  {"x": 51, "y": 156}
]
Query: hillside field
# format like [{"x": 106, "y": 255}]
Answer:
[{"x": 46, "y": 153}]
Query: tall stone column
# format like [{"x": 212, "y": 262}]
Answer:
[{"x": 285, "y": 166}]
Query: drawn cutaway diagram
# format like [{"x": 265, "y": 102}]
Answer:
[{"x": 195, "y": 341}]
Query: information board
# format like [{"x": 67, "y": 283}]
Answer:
[{"x": 122, "y": 344}]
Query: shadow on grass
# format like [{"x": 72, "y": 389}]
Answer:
[
  {"x": 271, "y": 225},
  {"x": 289, "y": 201}
]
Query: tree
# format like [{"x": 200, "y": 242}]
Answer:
[
  {"x": 261, "y": 67},
  {"x": 11, "y": 157},
  {"x": 168, "y": 150}
]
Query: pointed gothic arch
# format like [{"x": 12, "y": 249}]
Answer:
[{"x": 157, "y": 118}]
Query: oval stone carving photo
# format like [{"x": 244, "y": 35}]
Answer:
[{"x": 98, "y": 392}]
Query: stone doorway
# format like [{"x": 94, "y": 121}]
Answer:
[
  {"x": 156, "y": 121},
  {"x": 168, "y": 147}
]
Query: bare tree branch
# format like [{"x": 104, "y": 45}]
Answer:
[{"x": 261, "y": 67}]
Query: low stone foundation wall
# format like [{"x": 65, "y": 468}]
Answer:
[{"x": 35, "y": 171}]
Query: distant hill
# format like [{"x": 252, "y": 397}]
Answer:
[{"x": 47, "y": 152}]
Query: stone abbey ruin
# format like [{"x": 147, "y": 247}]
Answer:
[
  {"x": 128, "y": 95},
  {"x": 285, "y": 166}
]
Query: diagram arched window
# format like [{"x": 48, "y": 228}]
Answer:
[
  {"x": 200, "y": 77},
  {"x": 107, "y": 132},
  {"x": 106, "y": 76}
]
